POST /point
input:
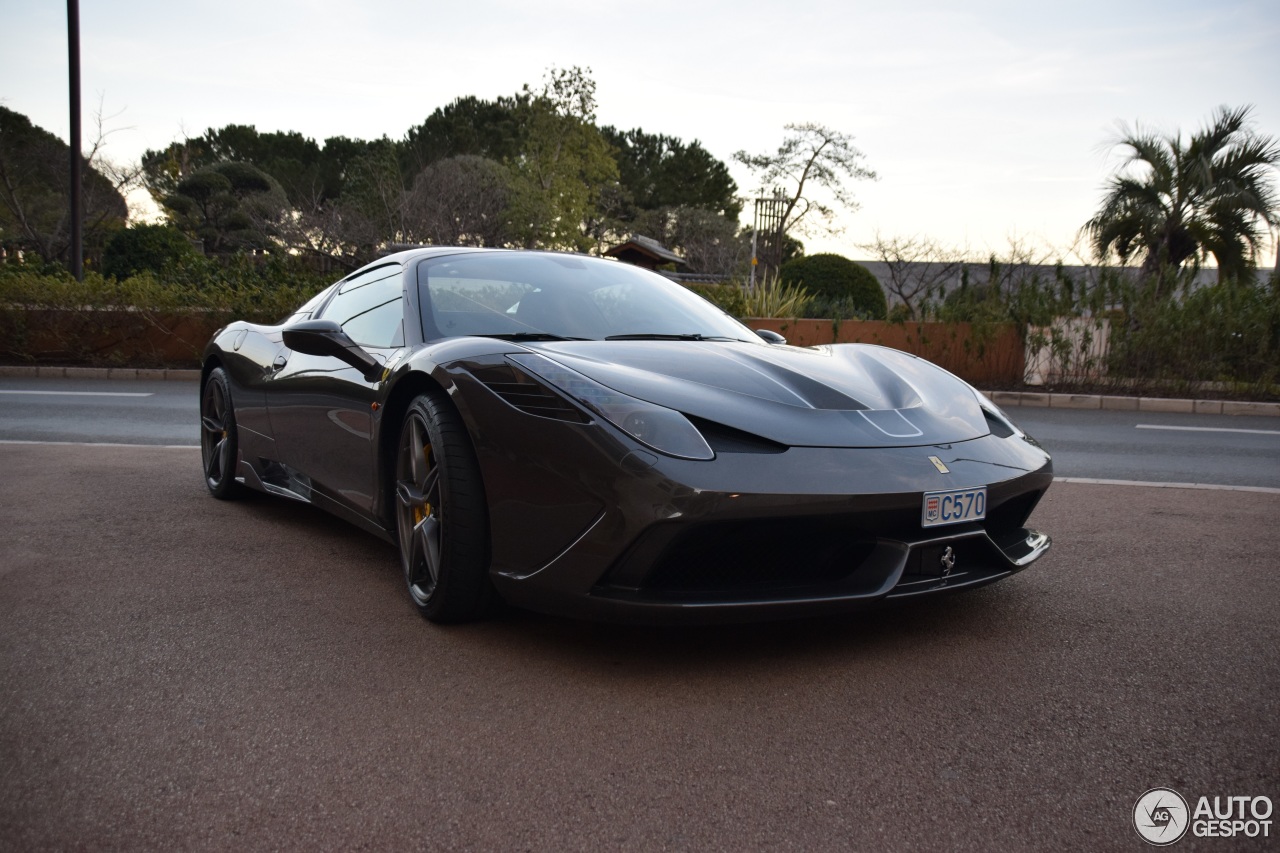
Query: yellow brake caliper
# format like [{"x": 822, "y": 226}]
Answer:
[{"x": 421, "y": 512}]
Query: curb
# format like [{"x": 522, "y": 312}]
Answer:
[
  {"x": 1132, "y": 404},
  {"x": 43, "y": 372},
  {"x": 1000, "y": 398}
]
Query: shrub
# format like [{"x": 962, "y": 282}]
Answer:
[
  {"x": 1227, "y": 332},
  {"x": 770, "y": 299},
  {"x": 144, "y": 248},
  {"x": 839, "y": 308},
  {"x": 729, "y": 298},
  {"x": 99, "y": 313},
  {"x": 836, "y": 278},
  {"x": 776, "y": 299}
]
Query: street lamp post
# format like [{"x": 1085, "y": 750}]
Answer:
[{"x": 77, "y": 197}]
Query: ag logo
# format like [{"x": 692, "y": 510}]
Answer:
[{"x": 1161, "y": 816}]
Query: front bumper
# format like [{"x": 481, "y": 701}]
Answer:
[
  {"x": 586, "y": 523},
  {"x": 770, "y": 567}
]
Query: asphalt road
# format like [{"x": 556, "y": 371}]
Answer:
[
  {"x": 1207, "y": 449},
  {"x": 99, "y": 411},
  {"x": 182, "y": 673},
  {"x": 1158, "y": 447}
]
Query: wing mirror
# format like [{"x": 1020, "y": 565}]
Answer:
[
  {"x": 325, "y": 337},
  {"x": 769, "y": 336}
]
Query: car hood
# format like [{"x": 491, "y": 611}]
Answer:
[{"x": 844, "y": 395}]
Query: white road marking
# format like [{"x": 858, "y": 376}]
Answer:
[
  {"x": 80, "y": 393},
  {"x": 99, "y": 444},
  {"x": 1208, "y": 429},
  {"x": 1266, "y": 490}
]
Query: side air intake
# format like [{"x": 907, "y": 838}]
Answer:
[{"x": 528, "y": 395}]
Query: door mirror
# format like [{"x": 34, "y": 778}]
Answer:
[
  {"x": 769, "y": 336},
  {"x": 325, "y": 337}
]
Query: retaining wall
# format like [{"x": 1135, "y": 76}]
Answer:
[{"x": 990, "y": 354}]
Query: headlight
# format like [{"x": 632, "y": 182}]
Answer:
[{"x": 663, "y": 429}]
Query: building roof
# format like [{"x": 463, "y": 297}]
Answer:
[{"x": 649, "y": 248}]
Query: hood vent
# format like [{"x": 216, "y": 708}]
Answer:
[
  {"x": 726, "y": 439},
  {"x": 998, "y": 427}
]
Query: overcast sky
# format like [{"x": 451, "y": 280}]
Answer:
[{"x": 985, "y": 120}]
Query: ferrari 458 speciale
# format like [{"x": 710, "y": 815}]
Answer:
[{"x": 580, "y": 436}]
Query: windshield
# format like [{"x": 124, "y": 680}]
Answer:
[{"x": 537, "y": 295}]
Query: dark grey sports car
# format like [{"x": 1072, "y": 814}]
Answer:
[{"x": 579, "y": 436}]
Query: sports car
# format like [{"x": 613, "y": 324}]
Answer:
[{"x": 583, "y": 437}]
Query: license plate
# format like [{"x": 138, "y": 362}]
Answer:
[{"x": 953, "y": 507}]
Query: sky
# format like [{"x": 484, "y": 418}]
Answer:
[{"x": 987, "y": 122}]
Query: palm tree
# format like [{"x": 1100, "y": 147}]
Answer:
[{"x": 1172, "y": 202}]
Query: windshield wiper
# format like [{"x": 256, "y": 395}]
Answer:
[
  {"x": 529, "y": 336},
  {"x": 654, "y": 336}
]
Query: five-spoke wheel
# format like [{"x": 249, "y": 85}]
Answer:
[
  {"x": 218, "y": 440},
  {"x": 441, "y": 519}
]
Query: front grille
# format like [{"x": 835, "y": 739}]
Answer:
[
  {"x": 742, "y": 558},
  {"x": 815, "y": 556},
  {"x": 527, "y": 394},
  {"x": 926, "y": 562},
  {"x": 950, "y": 564}
]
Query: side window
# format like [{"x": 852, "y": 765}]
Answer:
[{"x": 370, "y": 307}]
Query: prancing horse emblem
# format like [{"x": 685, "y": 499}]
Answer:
[{"x": 948, "y": 562}]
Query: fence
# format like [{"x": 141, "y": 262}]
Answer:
[{"x": 991, "y": 354}]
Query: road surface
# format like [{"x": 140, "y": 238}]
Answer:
[
  {"x": 180, "y": 673},
  {"x": 1207, "y": 449}
]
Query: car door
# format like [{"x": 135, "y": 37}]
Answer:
[
  {"x": 257, "y": 352},
  {"x": 321, "y": 409}
]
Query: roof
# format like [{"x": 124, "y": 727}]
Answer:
[{"x": 648, "y": 247}]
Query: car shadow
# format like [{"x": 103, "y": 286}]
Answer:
[
  {"x": 996, "y": 615},
  {"x": 1000, "y": 613}
]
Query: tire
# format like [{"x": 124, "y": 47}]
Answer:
[
  {"x": 219, "y": 441},
  {"x": 442, "y": 521}
]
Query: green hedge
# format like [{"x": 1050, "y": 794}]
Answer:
[
  {"x": 1228, "y": 333},
  {"x": 106, "y": 308},
  {"x": 1168, "y": 335},
  {"x": 837, "y": 284},
  {"x": 244, "y": 287}
]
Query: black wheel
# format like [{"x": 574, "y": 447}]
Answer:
[
  {"x": 441, "y": 517},
  {"x": 218, "y": 440}
]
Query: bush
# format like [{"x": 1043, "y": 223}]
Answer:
[
  {"x": 1109, "y": 330},
  {"x": 836, "y": 278},
  {"x": 144, "y": 248},
  {"x": 1227, "y": 332},
  {"x": 840, "y": 308},
  {"x": 775, "y": 299},
  {"x": 770, "y": 299},
  {"x": 729, "y": 298},
  {"x": 97, "y": 316}
]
